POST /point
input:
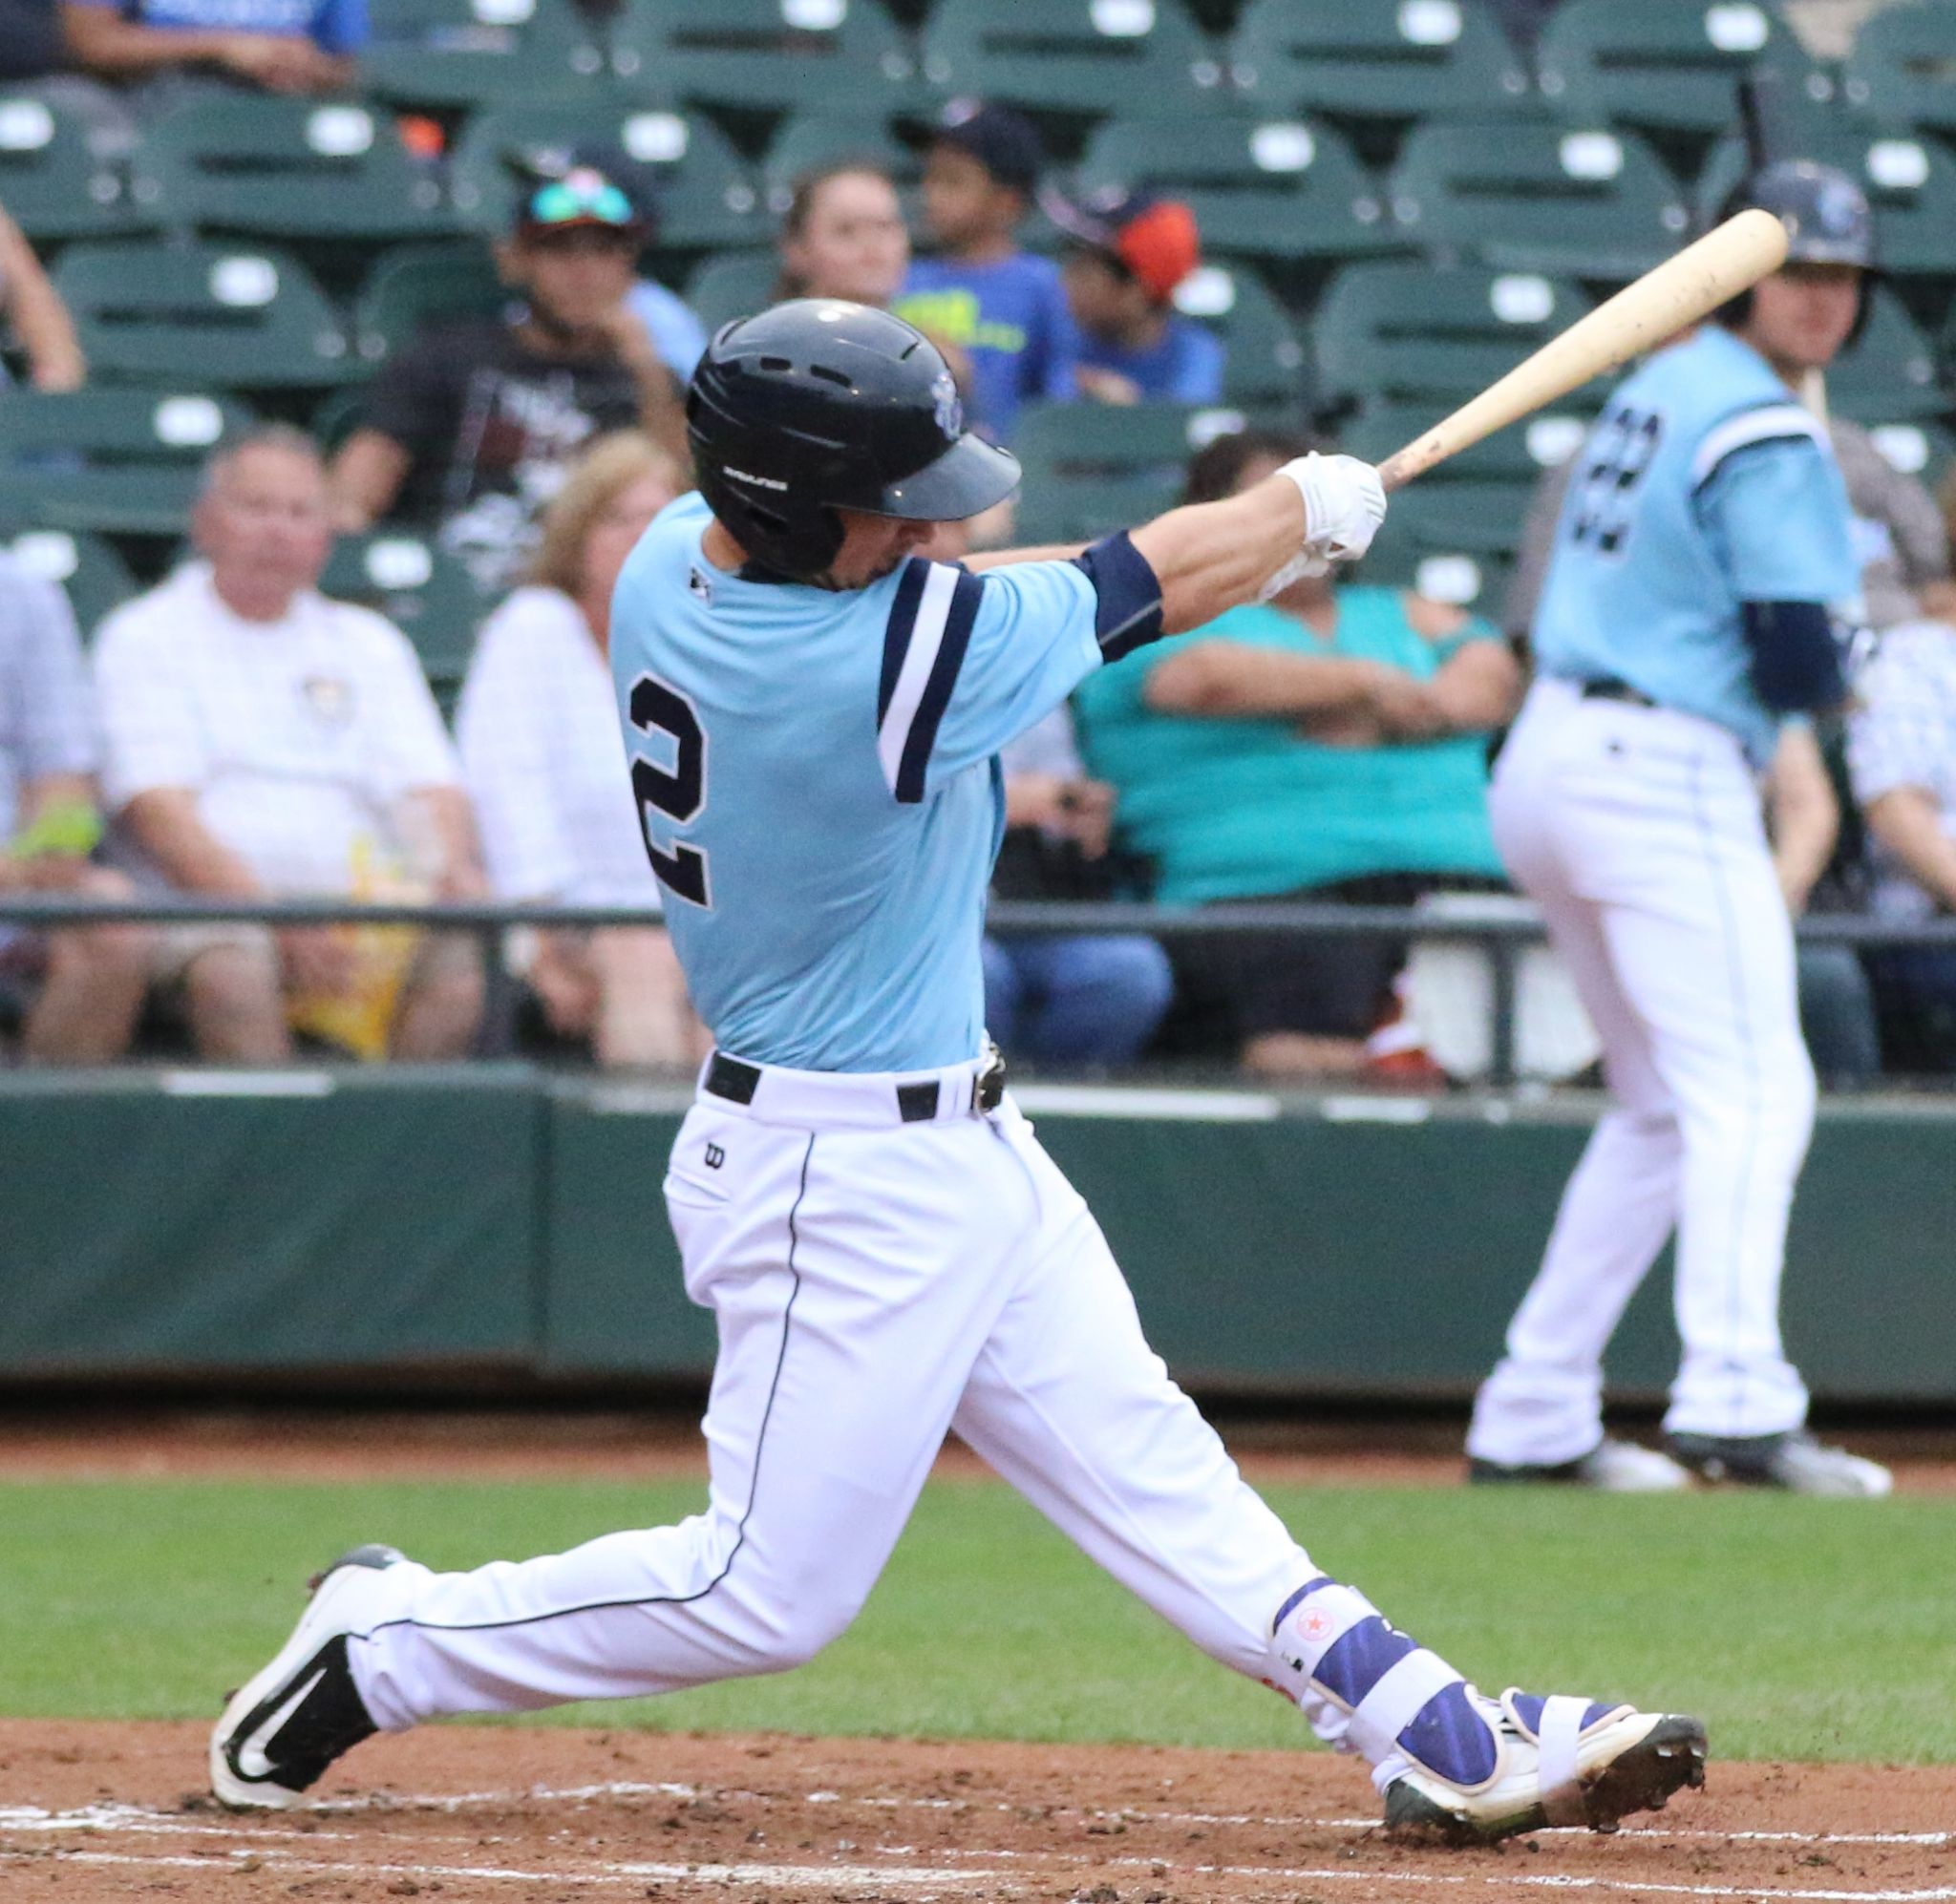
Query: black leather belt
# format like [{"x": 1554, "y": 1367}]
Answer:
[
  {"x": 1610, "y": 689},
  {"x": 916, "y": 1103}
]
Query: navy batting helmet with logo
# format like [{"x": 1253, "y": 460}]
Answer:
[
  {"x": 820, "y": 404},
  {"x": 1827, "y": 217}
]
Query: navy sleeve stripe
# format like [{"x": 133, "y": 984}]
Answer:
[
  {"x": 1127, "y": 612},
  {"x": 896, "y": 639},
  {"x": 959, "y": 621}
]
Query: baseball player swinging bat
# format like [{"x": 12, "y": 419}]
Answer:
[{"x": 1678, "y": 293}]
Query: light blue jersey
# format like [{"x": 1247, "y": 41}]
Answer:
[
  {"x": 817, "y": 780},
  {"x": 1702, "y": 485}
]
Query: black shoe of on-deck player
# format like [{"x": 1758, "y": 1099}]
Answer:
[{"x": 287, "y": 1723}]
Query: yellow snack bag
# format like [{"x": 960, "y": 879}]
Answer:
[{"x": 359, "y": 1019}]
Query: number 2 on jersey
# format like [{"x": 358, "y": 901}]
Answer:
[{"x": 657, "y": 708}]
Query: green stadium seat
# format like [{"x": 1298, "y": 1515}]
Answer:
[
  {"x": 94, "y": 577},
  {"x": 774, "y": 56},
  {"x": 1529, "y": 196},
  {"x": 1455, "y": 542},
  {"x": 289, "y": 169},
  {"x": 113, "y": 461},
  {"x": 809, "y": 140},
  {"x": 736, "y": 284},
  {"x": 1669, "y": 64},
  {"x": 1888, "y": 375},
  {"x": 1516, "y": 457},
  {"x": 245, "y": 317},
  {"x": 421, "y": 284},
  {"x": 1902, "y": 66},
  {"x": 52, "y": 185},
  {"x": 1374, "y": 60},
  {"x": 705, "y": 198},
  {"x": 1408, "y": 331},
  {"x": 478, "y": 52},
  {"x": 1091, "y": 468},
  {"x": 1143, "y": 58},
  {"x": 1275, "y": 188},
  {"x": 1265, "y": 371},
  {"x": 424, "y": 592},
  {"x": 1910, "y": 182}
]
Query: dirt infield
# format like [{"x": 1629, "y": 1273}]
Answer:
[
  {"x": 323, "y": 1444},
  {"x": 465, "y": 1814}
]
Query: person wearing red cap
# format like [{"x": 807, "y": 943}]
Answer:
[{"x": 1130, "y": 251}]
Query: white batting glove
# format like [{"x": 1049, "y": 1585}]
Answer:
[
  {"x": 1308, "y": 563},
  {"x": 1343, "y": 504}
]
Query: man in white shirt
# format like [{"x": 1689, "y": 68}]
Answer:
[{"x": 263, "y": 741}]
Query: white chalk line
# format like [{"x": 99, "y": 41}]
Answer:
[
  {"x": 924, "y": 1879},
  {"x": 135, "y": 1817}
]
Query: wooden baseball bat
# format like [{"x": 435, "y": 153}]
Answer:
[{"x": 1725, "y": 261}]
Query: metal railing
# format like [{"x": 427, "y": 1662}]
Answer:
[{"x": 1504, "y": 934}]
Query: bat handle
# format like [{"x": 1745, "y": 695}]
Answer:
[{"x": 1399, "y": 469}]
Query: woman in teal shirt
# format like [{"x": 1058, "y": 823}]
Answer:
[{"x": 1328, "y": 745}]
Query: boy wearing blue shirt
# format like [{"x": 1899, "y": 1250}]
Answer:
[
  {"x": 1131, "y": 253},
  {"x": 1004, "y": 310}
]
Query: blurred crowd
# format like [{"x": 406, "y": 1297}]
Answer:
[{"x": 236, "y": 734}]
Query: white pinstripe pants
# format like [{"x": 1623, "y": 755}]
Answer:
[
  {"x": 874, "y": 1288},
  {"x": 1638, "y": 831}
]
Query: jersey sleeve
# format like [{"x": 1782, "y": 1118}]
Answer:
[
  {"x": 970, "y": 662},
  {"x": 1777, "y": 517}
]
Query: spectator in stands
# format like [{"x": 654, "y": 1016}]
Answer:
[
  {"x": 263, "y": 742},
  {"x": 77, "y": 993},
  {"x": 34, "y": 313},
  {"x": 1901, "y": 754},
  {"x": 32, "y": 46},
  {"x": 1330, "y": 746},
  {"x": 1803, "y": 821},
  {"x": 285, "y": 45},
  {"x": 472, "y": 428},
  {"x": 1093, "y": 1000},
  {"x": 1003, "y": 309},
  {"x": 1131, "y": 251},
  {"x": 538, "y": 726},
  {"x": 842, "y": 234}
]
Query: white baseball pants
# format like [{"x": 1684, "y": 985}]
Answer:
[
  {"x": 1638, "y": 831},
  {"x": 875, "y": 1285}
]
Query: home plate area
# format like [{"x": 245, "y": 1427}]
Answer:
[{"x": 478, "y": 1812}]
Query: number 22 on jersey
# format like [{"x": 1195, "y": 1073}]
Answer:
[
  {"x": 656, "y": 708},
  {"x": 1616, "y": 460}
]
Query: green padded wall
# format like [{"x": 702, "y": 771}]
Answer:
[
  {"x": 496, "y": 1216},
  {"x": 204, "y": 1220}
]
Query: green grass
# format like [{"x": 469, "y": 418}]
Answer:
[{"x": 1798, "y": 1629}]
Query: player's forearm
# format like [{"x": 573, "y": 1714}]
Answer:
[
  {"x": 1803, "y": 816},
  {"x": 1212, "y": 557},
  {"x": 1905, "y": 821},
  {"x": 166, "y": 825}
]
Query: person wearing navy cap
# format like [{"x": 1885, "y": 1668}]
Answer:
[
  {"x": 1131, "y": 252},
  {"x": 1004, "y": 309}
]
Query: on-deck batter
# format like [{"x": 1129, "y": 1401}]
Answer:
[
  {"x": 814, "y": 715},
  {"x": 1703, "y": 557}
]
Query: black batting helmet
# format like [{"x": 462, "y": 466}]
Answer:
[
  {"x": 820, "y": 404},
  {"x": 1827, "y": 217}
]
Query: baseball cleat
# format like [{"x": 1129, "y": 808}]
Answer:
[
  {"x": 1609, "y": 1467},
  {"x": 282, "y": 1729},
  {"x": 1560, "y": 1760},
  {"x": 1795, "y": 1462}
]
